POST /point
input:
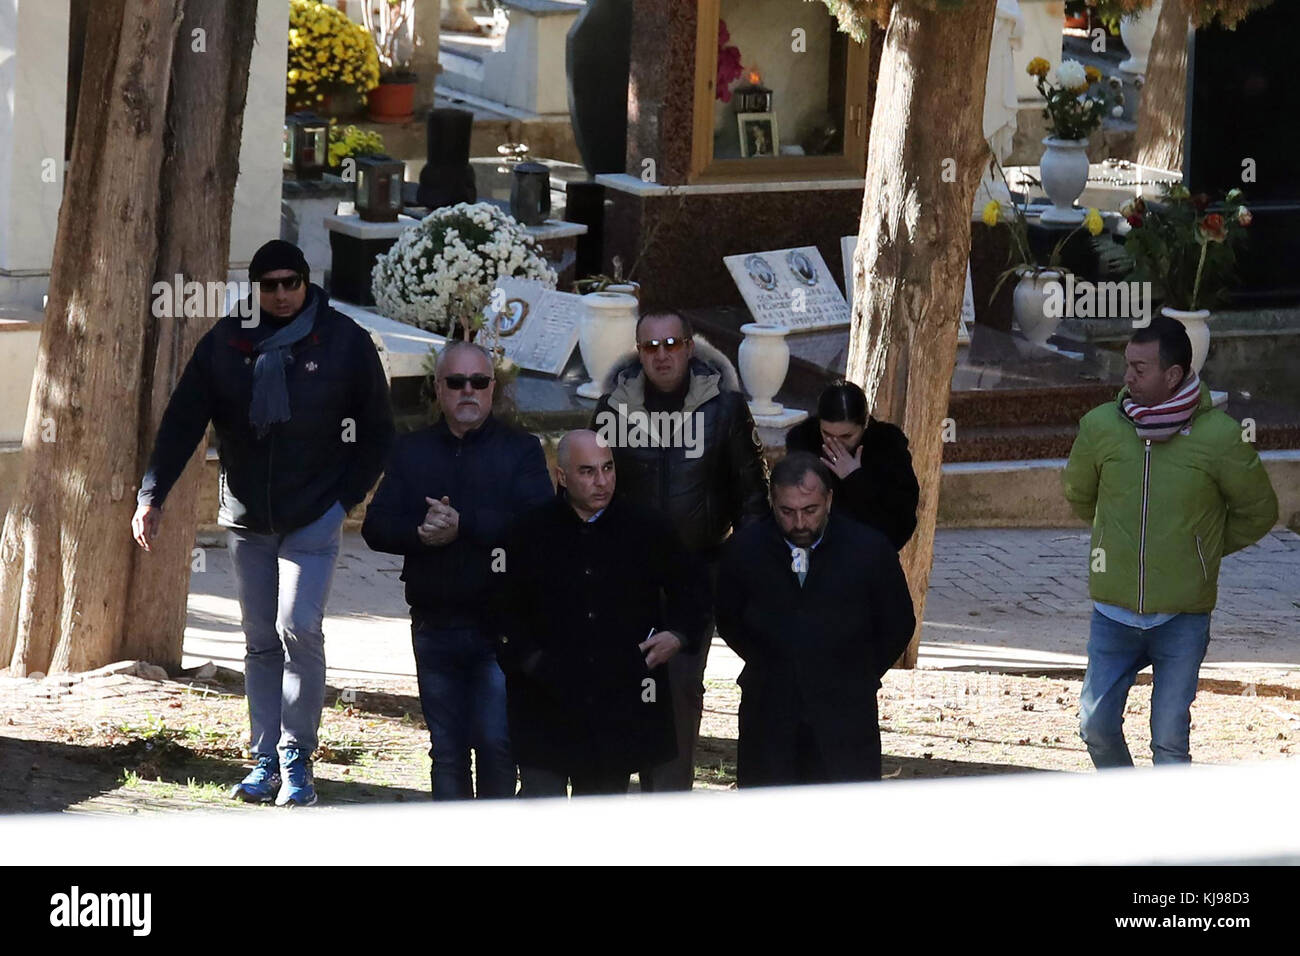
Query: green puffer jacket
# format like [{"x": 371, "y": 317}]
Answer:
[{"x": 1164, "y": 513}]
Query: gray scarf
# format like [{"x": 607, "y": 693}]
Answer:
[{"x": 270, "y": 395}]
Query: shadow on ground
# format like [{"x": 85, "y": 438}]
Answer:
[{"x": 715, "y": 759}]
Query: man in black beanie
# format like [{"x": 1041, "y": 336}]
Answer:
[{"x": 301, "y": 410}]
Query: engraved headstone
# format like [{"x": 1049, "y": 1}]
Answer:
[
  {"x": 789, "y": 287},
  {"x": 537, "y": 326}
]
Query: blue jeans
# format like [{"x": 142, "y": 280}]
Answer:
[
  {"x": 1116, "y": 653},
  {"x": 283, "y": 581},
  {"x": 463, "y": 696}
]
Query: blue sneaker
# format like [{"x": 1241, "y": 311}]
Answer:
[
  {"x": 297, "y": 790},
  {"x": 262, "y": 781}
]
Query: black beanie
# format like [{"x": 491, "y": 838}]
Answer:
[{"x": 278, "y": 254}]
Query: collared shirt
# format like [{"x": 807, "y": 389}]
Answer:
[
  {"x": 592, "y": 519},
  {"x": 1130, "y": 618},
  {"x": 799, "y": 556}
]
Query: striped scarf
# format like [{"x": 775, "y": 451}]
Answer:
[{"x": 1162, "y": 422}]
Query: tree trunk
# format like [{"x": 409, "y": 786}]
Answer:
[
  {"x": 925, "y": 158},
  {"x": 105, "y": 363},
  {"x": 1164, "y": 97},
  {"x": 205, "y": 122}
]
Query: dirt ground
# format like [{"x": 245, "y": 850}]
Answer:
[{"x": 121, "y": 743}]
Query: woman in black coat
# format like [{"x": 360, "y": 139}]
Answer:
[{"x": 871, "y": 468}]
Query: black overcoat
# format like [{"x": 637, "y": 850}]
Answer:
[
  {"x": 814, "y": 655},
  {"x": 578, "y": 599}
]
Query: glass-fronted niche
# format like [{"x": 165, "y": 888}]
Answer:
[{"x": 780, "y": 93}]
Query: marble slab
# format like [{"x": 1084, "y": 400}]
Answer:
[
  {"x": 403, "y": 349},
  {"x": 537, "y": 326},
  {"x": 793, "y": 288}
]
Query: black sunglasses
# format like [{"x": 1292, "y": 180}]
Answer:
[
  {"x": 672, "y": 344},
  {"x": 457, "y": 382},
  {"x": 288, "y": 283}
]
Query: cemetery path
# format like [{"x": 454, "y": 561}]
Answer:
[{"x": 997, "y": 691}]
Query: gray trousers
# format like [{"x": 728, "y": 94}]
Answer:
[{"x": 283, "y": 582}]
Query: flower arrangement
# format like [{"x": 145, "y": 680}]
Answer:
[
  {"x": 729, "y": 66},
  {"x": 1070, "y": 111},
  {"x": 349, "y": 140},
  {"x": 392, "y": 25},
  {"x": 439, "y": 275},
  {"x": 1187, "y": 252},
  {"x": 327, "y": 53},
  {"x": 1019, "y": 255}
]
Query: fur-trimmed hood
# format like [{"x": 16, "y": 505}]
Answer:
[{"x": 711, "y": 372}]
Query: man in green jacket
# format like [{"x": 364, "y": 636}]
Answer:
[{"x": 1170, "y": 486}]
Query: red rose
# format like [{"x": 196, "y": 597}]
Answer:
[
  {"x": 1212, "y": 227},
  {"x": 1135, "y": 221}
]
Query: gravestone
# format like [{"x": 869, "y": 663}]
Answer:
[
  {"x": 1243, "y": 131},
  {"x": 794, "y": 288},
  {"x": 789, "y": 287},
  {"x": 537, "y": 326}
]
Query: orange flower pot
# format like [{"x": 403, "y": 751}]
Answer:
[{"x": 392, "y": 102}]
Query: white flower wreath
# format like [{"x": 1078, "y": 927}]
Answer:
[{"x": 441, "y": 273}]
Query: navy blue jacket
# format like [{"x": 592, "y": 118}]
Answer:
[
  {"x": 331, "y": 449},
  {"x": 491, "y": 476}
]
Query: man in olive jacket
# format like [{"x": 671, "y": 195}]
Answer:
[{"x": 1170, "y": 486}]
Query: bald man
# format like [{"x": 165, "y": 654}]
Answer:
[
  {"x": 599, "y": 596},
  {"x": 446, "y": 503}
]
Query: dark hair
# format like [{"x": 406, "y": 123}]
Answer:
[
  {"x": 1175, "y": 346},
  {"x": 791, "y": 469},
  {"x": 687, "y": 331},
  {"x": 843, "y": 402}
]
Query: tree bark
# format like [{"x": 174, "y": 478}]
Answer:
[
  {"x": 67, "y": 588},
  {"x": 1164, "y": 97},
  {"x": 197, "y": 196},
  {"x": 924, "y": 161}
]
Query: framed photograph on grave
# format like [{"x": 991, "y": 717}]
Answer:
[
  {"x": 758, "y": 135},
  {"x": 813, "y": 84}
]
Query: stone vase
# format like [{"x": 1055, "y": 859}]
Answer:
[
  {"x": 627, "y": 288},
  {"x": 1028, "y": 304},
  {"x": 608, "y": 329},
  {"x": 1137, "y": 33},
  {"x": 1198, "y": 330},
  {"x": 764, "y": 360},
  {"x": 1064, "y": 171}
]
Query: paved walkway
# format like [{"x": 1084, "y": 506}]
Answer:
[{"x": 1000, "y": 600}]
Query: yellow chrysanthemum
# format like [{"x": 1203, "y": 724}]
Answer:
[
  {"x": 1038, "y": 67},
  {"x": 1093, "y": 222},
  {"x": 1093, "y": 74},
  {"x": 992, "y": 213}
]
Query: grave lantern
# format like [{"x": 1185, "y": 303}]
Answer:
[
  {"x": 379, "y": 188},
  {"x": 753, "y": 97},
  {"x": 306, "y": 145}
]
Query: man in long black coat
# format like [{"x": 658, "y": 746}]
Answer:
[
  {"x": 599, "y": 596},
  {"x": 817, "y": 606}
]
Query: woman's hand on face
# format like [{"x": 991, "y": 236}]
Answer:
[{"x": 839, "y": 459}]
